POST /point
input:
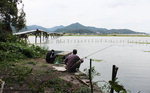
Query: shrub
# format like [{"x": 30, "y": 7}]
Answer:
[{"x": 15, "y": 49}]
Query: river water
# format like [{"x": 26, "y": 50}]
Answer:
[{"x": 124, "y": 52}]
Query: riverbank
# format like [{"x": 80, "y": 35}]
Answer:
[
  {"x": 35, "y": 75},
  {"x": 23, "y": 70}
]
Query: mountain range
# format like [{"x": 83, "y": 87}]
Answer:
[
  {"x": 79, "y": 28},
  {"x": 34, "y": 27}
]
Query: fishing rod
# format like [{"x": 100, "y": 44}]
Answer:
[
  {"x": 93, "y": 54},
  {"x": 97, "y": 52}
]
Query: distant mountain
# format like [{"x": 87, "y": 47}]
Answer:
[
  {"x": 55, "y": 28},
  {"x": 74, "y": 28},
  {"x": 122, "y": 31},
  {"x": 79, "y": 28},
  {"x": 34, "y": 27}
]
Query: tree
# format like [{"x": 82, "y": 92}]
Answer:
[{"x": 11, "y": 15}]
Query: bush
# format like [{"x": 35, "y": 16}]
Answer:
[
  {"x": 5, "y": 37},
  {"x": 10, "y": 56},
  {"x": 12, "y": 48}
]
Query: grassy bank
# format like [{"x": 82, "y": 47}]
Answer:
[{"x": 24, "y": 70}]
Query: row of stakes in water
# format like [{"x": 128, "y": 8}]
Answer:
[{"x": 99, "y": 41}]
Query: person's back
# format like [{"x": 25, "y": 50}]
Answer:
[
  {"x": 50, "y": 57},
  {"x": 72, "y": 62}
]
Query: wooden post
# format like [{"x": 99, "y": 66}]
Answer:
[
  {"x": 90, "y": 76},
  {"x": 114, "y": 73},
  {"x": 40, "y": 36},
  {"x": 35, "y": 38},
  {"x": 43, "y": 35}
]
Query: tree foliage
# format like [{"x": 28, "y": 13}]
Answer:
[{"x": 11, "y": 15}]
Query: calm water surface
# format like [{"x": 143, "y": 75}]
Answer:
[{"x": 133, "y": 62}]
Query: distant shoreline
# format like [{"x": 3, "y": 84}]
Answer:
[{"x": 122, "y": 35}]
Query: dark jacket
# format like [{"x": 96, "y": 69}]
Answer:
[
  {"x": 50, "y": 57},
  {"x": 71, "y": 61}
]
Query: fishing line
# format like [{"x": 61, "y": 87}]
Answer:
[{"x": 97, "y": 51}]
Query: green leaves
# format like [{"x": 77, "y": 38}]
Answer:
[
  {"x": 11, "y": 15},
  {"x": 13, "y": 49},
  {"x": 94, "y": 72},
  {"x": 117, "y": 87}
]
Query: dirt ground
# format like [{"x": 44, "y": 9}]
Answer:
[
  {"x": 42, "y": 73},
  {"x": 69, "y": 77}
]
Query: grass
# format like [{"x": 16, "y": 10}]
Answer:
[
  {"x": 59, "y": 85},
  {"x": 33, "y": 63},
  {"x": 44, "y": 65},
  {"x": 36, "y": 79},
  {"x": 83, "y": 90},
  {"x": 22, "y": 67}
]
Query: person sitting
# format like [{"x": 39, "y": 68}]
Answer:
[
  {"x": 73, "y": 62},
  {"x": 50, "y": 56}
]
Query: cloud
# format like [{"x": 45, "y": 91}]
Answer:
[{"x": 131, "y": 14}]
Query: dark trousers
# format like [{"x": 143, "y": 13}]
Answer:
[{"x": 74, "y": 67}]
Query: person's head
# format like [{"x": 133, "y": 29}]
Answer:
[
  {"x": 74, "y": 51},
  {"x": 52, "y": 50}
]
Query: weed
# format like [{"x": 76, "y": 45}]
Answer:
[
  {"x": 117, "y": 87},
  {"x": 17, "y": 74},
  {"x": 32, "y": 63},
  {"x": 44, "y": 65},
  {"x": 59, "y": 85},
  {"x": 94, "y": 72},
  {"x": 83, "y": 90}
]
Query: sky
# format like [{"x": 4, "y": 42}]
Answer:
[{"x": 110, "y": 14}]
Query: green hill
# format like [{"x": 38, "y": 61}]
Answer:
[{"x": 79, "y": 28}]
